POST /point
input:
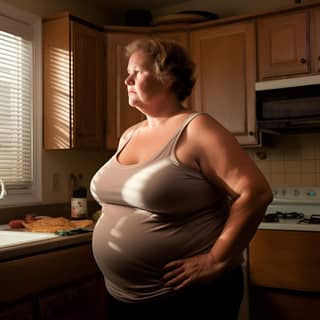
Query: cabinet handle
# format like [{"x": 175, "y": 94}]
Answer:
[
  {"x": 251, "y": 133},
  {"x": 303, "y": 60}
]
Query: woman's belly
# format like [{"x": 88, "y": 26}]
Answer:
[{"x": 131, "y": 246}]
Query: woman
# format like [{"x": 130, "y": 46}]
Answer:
[{"x": 180, "y": 200}]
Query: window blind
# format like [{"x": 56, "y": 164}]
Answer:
[{"x": 15, "y": 110}]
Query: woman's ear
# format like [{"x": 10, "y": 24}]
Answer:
[{"x": 168, "y": 81}]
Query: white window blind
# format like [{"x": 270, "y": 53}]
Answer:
[
  {"x": 15, "y": 111},
  {"x": 20, "y": 105}
]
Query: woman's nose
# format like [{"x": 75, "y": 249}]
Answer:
[{"x": 129, "y": 80}]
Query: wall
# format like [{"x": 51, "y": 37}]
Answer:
[{"x": 291, "y": 160}]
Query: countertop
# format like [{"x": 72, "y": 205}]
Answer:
[
  {"x": 40, "y": 246},
  {"x": 289, "y": 226}
]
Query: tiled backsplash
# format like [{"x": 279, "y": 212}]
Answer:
[{"x": 290, "y": 160}]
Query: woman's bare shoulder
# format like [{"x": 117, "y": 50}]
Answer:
[
  {"x": 128, "y": 133},
  {"x": 206, "y": 125}
]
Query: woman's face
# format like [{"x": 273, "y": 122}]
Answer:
[{"x": 143, "y": 87}]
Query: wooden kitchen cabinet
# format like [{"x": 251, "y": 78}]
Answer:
[
  {"x": 81, "y": 302},
  {"x": 22, "y": 311},
  {"x": 180, "y": 37},
  {"x": 183, "y": 39},
  {"x": 315, "y": 39},
  {"x": 288, "y": 44},
  {"x": 225, "y": 58},
  {"x": 60, "y": 284},
  {"x": 277, "y": 304},
  {"x": 284, "y": 281},
  {"x": 120, "y": 115},
  {"x": 73, "y": 56}
]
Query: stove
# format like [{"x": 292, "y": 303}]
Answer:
[{"x": 293, "y": 208}]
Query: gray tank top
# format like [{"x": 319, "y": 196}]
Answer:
[{"x": 152, "y": 213}]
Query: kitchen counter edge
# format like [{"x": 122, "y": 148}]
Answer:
[{"x": 37, "y": 247}]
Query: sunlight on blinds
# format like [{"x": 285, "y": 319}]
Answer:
[{"x": 15, "y": 111}]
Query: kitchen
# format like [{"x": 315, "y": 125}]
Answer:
[{"x": 285, "y": 160}]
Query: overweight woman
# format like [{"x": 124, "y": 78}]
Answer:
[{"x": 180, "y": 200}]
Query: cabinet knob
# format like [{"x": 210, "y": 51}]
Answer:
[
  {"x": 251, "y": 133},
  {"x": 303, "y": 60}
]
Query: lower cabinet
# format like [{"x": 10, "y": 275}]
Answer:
[
  {"x": 22, "y": 311},
  {"x": 277, "y": 304},
  {"x": 62, "y": 284},
  {"x": 84, "y": 301},
  {"x": 284, "y": 281},
  {"x": 81, "y": 301}
]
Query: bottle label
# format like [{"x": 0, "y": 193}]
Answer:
[{"x": 79, "y": 208}]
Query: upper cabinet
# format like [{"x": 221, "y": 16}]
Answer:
[
  {"x": 288, "y": 44},
  {"x": 315, "y": 39},
  {"x": 120, "y": 115},
  {"x": 180, "y": 37},
  {"x": 73, "y": 56},
  {"x": 225, "y": 58}
]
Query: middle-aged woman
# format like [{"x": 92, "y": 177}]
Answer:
[{"x": 180, "y": 200}]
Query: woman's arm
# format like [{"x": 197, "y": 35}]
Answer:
[{"x": 222, "y": 160}]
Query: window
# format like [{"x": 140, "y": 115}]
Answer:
[{"x": 20, "y": 105}]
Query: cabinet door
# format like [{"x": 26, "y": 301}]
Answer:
[
  {"x": 56, "y": 84},
  {"x": 120, "y": 115},
  {"x": 81, "y": 302},
  {"x": 23, "y": 311},
  {"x": 282, "y": 45},
  {"x": 315, "y": 39},
  {"x": 182, "y": 39},
  {"x": 225, "y": 77},
  {"x": 275, "y": 304},
  {"x": 88, "y": 84},
  {"x": 73, "y": 85},
  {"x": 295, "y": 263}
]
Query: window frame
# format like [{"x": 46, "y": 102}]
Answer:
[{"x": 33, "y": 195}]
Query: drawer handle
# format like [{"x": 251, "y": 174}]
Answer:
[{"x": 303, "y": 60}]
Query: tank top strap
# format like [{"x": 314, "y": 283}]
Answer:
[
  {"x": 171, "y": 146},
  {"x": 128, "y": 138}
]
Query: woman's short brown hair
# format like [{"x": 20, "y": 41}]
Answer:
[{"x": 169, "y": 59}]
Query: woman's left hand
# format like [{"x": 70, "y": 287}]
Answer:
[{"x": 184, "y": 272}]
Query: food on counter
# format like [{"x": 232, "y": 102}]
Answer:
[
  {"x": 49, "y": 224},
  {"x": 16, "y": 224},
  {"x": 53, "y": 224}
]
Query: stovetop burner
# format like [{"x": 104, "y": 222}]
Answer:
[
  {"x": 294, "y": 217},
  {"x": 293, "y": 208},
  {"x": 313, "y": 219},
  {"x": 278, "y": 216}
]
